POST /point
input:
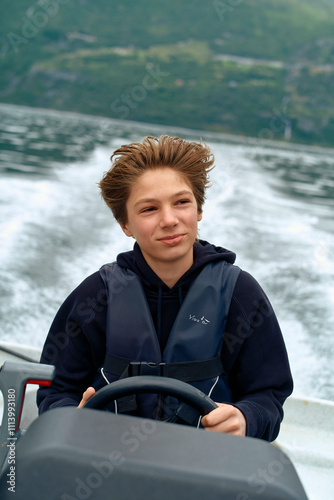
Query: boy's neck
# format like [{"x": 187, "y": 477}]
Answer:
[{"x": 171, "y": 272}]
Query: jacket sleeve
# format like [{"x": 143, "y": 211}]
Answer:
[
  {"x": 75, "y": 345},
  {"x": 255, "y": 358}
]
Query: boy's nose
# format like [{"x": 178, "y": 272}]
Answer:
[{"x": 168, "y": 219}]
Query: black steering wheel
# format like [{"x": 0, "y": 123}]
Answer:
[{"x": 186, "y": 393}]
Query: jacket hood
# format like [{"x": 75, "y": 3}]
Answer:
[
  {"x": 204, "y": 253},
  {"x": 165, "y": 302}
]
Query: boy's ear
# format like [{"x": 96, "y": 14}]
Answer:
[
  {"x": 199, "y": 216},
  {"x": 126, "y": 230}
]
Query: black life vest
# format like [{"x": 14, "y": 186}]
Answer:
[{"x": 193, "y": 349}]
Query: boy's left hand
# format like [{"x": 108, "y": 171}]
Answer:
[{"x": 226, "y": 418}]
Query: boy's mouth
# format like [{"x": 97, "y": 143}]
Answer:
[{"x": 172, "y": 240}]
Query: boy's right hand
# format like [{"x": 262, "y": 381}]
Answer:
[{"x": 86, "y": 396}]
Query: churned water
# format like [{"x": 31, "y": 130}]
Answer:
[{"x": 271, "y": 204}]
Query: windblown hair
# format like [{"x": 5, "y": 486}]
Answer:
[{"x": 192, "y": 160}]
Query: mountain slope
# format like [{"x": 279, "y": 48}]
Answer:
[{"x": 262, "y": 68}]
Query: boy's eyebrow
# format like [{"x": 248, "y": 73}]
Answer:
[{"x": 152, "y": 200}]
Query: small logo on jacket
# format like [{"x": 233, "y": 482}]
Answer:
[{"x": 202, "y": 320}]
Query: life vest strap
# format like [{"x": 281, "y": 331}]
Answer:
[{"x": 188, "y": 371}]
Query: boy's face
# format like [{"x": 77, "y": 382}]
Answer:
[{"x": 162, "y": 216}]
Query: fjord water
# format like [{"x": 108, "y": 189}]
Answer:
[{"x": 271, "y": 204}]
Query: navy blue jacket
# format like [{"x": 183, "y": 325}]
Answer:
[{"x": 253, "y": 354}]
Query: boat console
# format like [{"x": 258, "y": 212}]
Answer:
[{"x": 68, "y": 454}]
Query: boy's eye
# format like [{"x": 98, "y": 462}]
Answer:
[
  {"x": 182, "y": 202},
  {"x": 148, "y": 209}
]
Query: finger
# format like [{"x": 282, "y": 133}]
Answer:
[
  {"x": 86, "y": 396},
  {"x": 227, "y": 419},
  {"x": 217, "y": 415},
  {"x": 230, "y": 426}
]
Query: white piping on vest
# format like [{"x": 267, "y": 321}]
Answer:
[
  {"x": 210, "y": 392},
  {"x": 214, "y": 385},
  {"x": 105, "y": 378},
  {"x": 103, "y": 375}
]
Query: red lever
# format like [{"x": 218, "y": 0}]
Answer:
[
  {"x": 39, "y": 382},
  {"x": 35, "y": 382}
]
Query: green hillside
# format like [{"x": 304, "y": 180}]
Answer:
[{"x": 261, "y": 68}]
